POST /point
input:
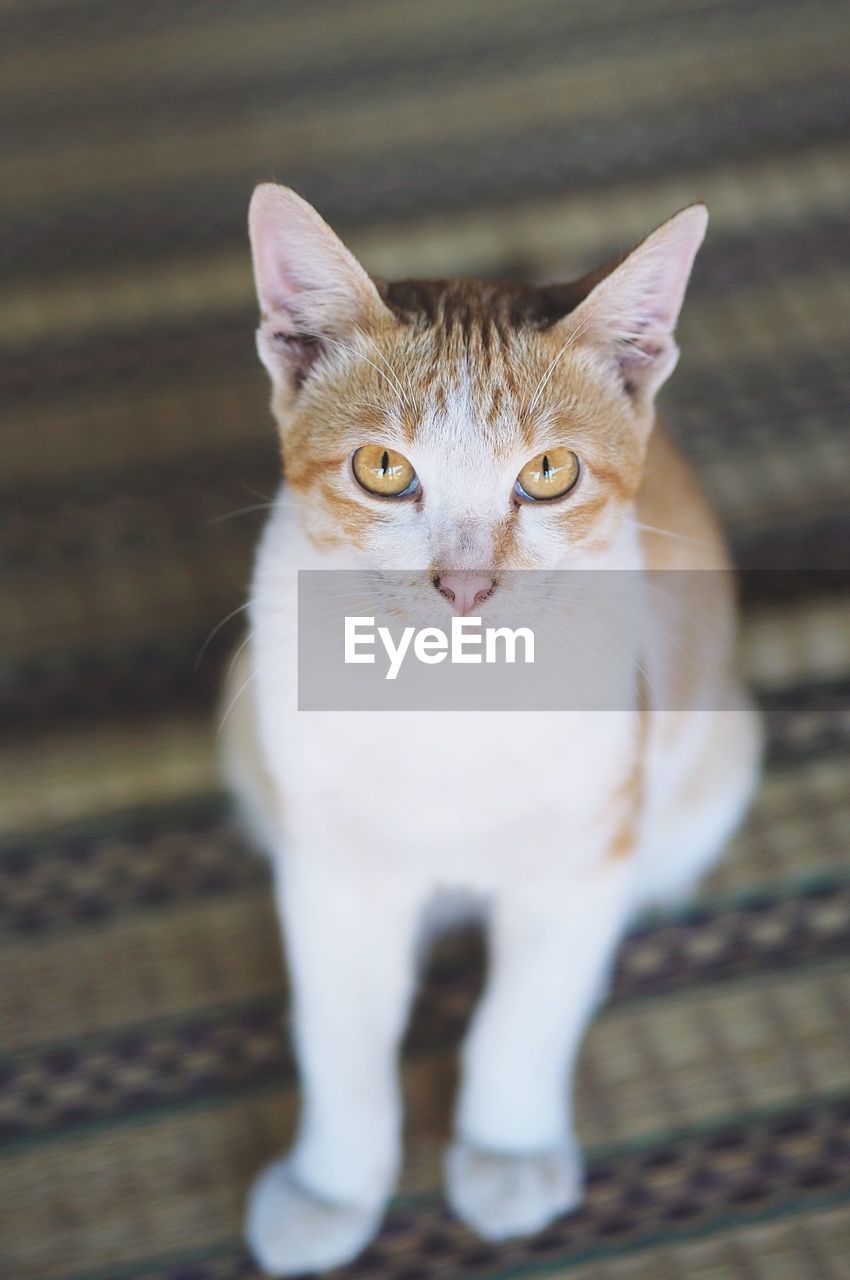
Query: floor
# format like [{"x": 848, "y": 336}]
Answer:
[{"x": 144, "y": 1072}]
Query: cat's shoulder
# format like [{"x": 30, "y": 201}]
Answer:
[{"x": 679, "y": 527}]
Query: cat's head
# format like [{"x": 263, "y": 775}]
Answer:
[{"x": 458, "y": 427}]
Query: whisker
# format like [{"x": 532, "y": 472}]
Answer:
[
  {"x": 239, "y": 609},
  {"x": 571, "y": 340},
  {"x": 241, "y": 511},
  {"x": 352, "y": 350},
  {"x": 670, "y": 533},
  {"x": 234, "y": 701},
  {"x": 386, "y": 362},
  {"x": 238, "y": 653},
  {"x": 255, "y": 493}
]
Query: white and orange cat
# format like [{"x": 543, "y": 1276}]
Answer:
[{"x": 500, "y": 427}]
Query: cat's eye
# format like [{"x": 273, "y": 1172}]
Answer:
[
  {"x": 383, "y": 471},
  {"x": 549, "y": 475}
]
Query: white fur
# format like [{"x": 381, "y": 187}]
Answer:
[
  {"x": 378, "y": 814},
  {"x": 371, "y": 818}
]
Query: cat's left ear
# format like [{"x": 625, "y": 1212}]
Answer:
[
  {"x": 312, "y": 292},
  {"x": 630, "y": 316}
]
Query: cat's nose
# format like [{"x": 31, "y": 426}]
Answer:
[{"x": 465, "y": 591}]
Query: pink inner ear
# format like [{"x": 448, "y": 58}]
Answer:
[
  {"x": 637, "y": 350},
  {"x": 641, "y": 299},
  {"x": 650, "y": 308},
  {"x": 275, "y": 287},
  {"x": 281, "y": 245},
  {"x": 636, "y": 358}
]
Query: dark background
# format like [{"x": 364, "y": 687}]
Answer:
[{"x": 143, "y": 1078}]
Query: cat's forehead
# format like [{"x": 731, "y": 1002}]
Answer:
[
  {"x": 471, "y": 352},
  {"x": 468, "y": 309}
]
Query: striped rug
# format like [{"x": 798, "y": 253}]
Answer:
[{"x": 145, "y": 1073}]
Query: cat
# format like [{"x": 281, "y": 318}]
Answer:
[{"x": 455, "y": 430}]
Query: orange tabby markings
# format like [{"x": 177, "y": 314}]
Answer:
[{"x": 560, "y": 827}]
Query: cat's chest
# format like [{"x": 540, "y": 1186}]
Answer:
[
  {"x": 455, "y": 790},
  {"x": 447, "y": 790}
]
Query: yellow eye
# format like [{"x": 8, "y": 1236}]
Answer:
[
  {"x": 383, "y": 471},
  {"x": 549, "y": 475}
]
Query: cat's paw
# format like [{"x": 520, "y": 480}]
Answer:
[
  {"x": 290, "y": 1230},
  {"x": 500, "y": 1196}
]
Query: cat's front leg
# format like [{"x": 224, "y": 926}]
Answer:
[
  {"x": 515, "y": 1165},
  {"x": 350, "y": 943}
]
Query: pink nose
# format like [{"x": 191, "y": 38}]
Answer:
[{"x": 466, "y": 591}]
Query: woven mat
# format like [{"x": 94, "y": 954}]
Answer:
[{"x": 144, "y": 1076}]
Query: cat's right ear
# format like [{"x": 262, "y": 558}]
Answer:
[{"x": 312, "y": 292}]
